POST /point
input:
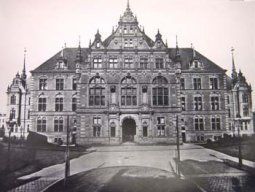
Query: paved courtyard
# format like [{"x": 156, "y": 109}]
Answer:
[{"x": 160, "y": 157}]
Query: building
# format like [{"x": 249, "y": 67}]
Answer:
[
  {"x": 18, "y": 105},
  {"x": 130, "y": 87}
]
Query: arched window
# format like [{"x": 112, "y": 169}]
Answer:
[
  {"x": 12, "y": 114},
  {"x": 59, "y": 100},
  {"x": 41, "y": 124},
  {"x": 113, "y": 129},
  {"x": 58, "y": 124},
  {"x": 13, "y": 100},
  {"x": 128, "y": 91},
  {"x": 160, "y": 91},
  {"x": 97, "y": 91}
]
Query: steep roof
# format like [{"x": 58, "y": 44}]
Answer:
[
  {"x": 187, "y": 55},
  {"x": 69, "y": 55}
]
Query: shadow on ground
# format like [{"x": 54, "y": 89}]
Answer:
[{"x": 125, "y": 179}]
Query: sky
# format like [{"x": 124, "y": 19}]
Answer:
[{"x": 44, "y": 26}]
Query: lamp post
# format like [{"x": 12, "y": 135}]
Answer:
[
  {"x": 178, "y": 76},
  {"x": 238, "y": 123},
  {"x": 67, "y": 159},
  {"x": 10, "y": 126}
]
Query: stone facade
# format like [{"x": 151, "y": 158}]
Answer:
[{"x": 132, "y": 88}]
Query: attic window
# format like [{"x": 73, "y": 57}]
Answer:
[
  {"x": 97, "y": 45},
  {"x": 196, "y": 64},
  {"x": 61, "y": 65},
  {"x": 125, "y": 30}
]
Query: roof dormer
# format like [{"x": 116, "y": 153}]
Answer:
[
  {"x": 61, "y": 61},
  {"x": 195, "y": 62}
]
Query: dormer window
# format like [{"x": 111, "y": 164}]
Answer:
[
  {"x": 97, "y": 45},
  {"x": 196, "y": 64},
  {"x": 131, "y": 30},
  {"x": 61, "y": 64},
  {"x": 125, "y": 30}
]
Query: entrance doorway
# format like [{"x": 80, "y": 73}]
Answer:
[{"x": 128, "y": 130}]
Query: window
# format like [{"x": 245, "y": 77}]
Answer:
[
  {"x": 160, "y": 93},
  {"x": 213, "y": 83},
  {"x": 198, "y": 103},
  {"x": 59, "y": 103},
  {"x": 74, "y": 84},
  {"x": 182, "y": 83},
  {"x": 59, "y": 84},
  {"x": 97, "y": 92},
  {"x": 161, "y": 126},
  {"x": 215, "y": 103},
  {"x": 13, "y": 100},
  {"x": 128, "y": 91},
  {"x": 58, "y": 124},
  {"x": 125, "y": 29},
  {"x": 41, "y": 124},
  {"x": 97, "y": 63},
  {"x": 42, "y": 104},
  {"x": 28, "y": 114},
  {"x": 144, "y": 63},
  {"x": 199, "y": 123},
  {"x": 43, "y": 84},
  {"x": 113, "y": 130},
  {"x": 229, "y": 113},
  {"x": 215, "y": 123},
  {"x": 159, "y": 63},
  {"x": 245, "y": 111},
  {"x": 113, "y": 63},
  {"x": 97, "y": 121},
  {"x": 245, "y": 125},
  {"x": 145, "y": 131},
  {"x": 12, "y": 114},
  {"x": 197, "y": 83},
  {"x": 228, "y": 99},
  {"x": 74, "y": 104},
  {"x": 96, "y": 131},
  {"x": 29, "y": 100},
  {"x": 128, "y": 63},
  {"x": 183, "y": 104},
  {"x": 245, "y": 98}
]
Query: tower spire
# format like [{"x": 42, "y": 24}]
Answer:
[
  {"x": 194, "y": 51},
  {"x": 177, "y": 51},
  {"x": 234, "y": 73},
  {"x": 128, "y": 7},
  {"x": 24, "y": 76},
  {"x": 79, "y": 54}
]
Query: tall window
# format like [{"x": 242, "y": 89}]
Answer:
[
  {"x": 128, "y": 63},
  {"x": 144, "y": 63},
  {"x": 161, "y": 126},
  {"x": 113, "y": 129},
  {"x": 215, "y": 123},
  {"x": 13, "y": 100},
  {"x": 213, "y": 83},
  {"x": 43, "y": 84},
  {"x": 97, "y": 92},
  {"x": 199, "y": 123},
  {"x": 12, "y": 114},
  {"x": 160, "y": 91},
  {"x": 96, "y": 126},
  {"x": 58, "y": 124},
  {"x": 183, "y": 104},
  {"x": 245, "y": 98},
  {"x": 74, "y": 83},
  {"x": 113, "y": 63},
  {"x": 97, "y": 63},
  {"x": 198, "y": 103},
  {"x": 245, "y": 111},
  {"x": 159, "y": 63},
  {"x": 128, "y": 91},
  {"x": 197, "y": 83},
  {"x": 59, "y": 103},
  {"x": 182, "y": 83},
  {"x": 28, "y": 114},
  {"x": 42, "y": 103},
  {"x": 59, "y": 84},
  {"x": 215, "y": 103},
  {"x": 74, "y": 104},
  {"x": 41, "y": 124}
]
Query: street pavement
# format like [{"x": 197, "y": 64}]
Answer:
[{"x": 160, "y": 157}]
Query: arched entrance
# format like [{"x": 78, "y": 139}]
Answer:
[{"x": 128, "y": 130}]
